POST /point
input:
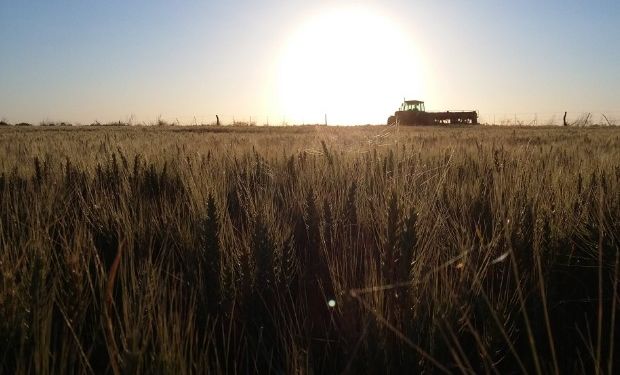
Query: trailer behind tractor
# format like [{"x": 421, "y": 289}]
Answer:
[{"x": 412, "y": 112}]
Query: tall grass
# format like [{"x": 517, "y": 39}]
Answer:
[{"x": 480, "y": 250}]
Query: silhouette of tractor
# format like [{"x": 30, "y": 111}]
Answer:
[{"x": 412, "y": 112}]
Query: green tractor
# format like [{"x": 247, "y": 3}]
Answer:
[{"x": 412, "y": 112}]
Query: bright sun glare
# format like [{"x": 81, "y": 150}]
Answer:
[{"x": 351, "y": 64}]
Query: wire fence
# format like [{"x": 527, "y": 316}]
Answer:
[
  {"x": 598, "y": 118},
  {"x": 225, "y": 119},
  {"x": 604, "y": 118}
]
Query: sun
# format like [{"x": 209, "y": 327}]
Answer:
[{"x": 351, "y": 64}]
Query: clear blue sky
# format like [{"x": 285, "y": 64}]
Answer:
[{"x": 81, "y": 61}]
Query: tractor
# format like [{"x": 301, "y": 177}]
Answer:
[{"x": 412, "y": 112}]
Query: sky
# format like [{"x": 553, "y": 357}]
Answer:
[{"x": 350, "y": 62}]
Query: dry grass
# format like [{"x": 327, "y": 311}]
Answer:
[{"x": 194, "y": 250}]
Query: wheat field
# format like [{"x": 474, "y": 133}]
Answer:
[{"x": 309, "y": 250}]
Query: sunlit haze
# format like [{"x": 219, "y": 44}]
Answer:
[{"x": 350, "y": 62}]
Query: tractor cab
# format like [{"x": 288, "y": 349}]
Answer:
[{"x": 412, "y": 105}]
